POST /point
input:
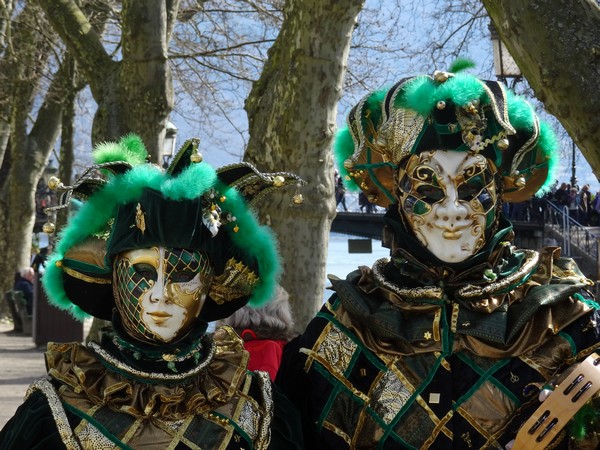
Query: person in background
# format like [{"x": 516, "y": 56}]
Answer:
[
  {"x": 573, "y": 204},
  {"x": 159, "y": 254},
  {"x": 340, "y": 191},
  {"x": 39, "y": 260},
  {"x": 585, "y": 204},
  {"x": 16, "y": 318},
  {"x": 457, "y": 340},
  {"x": 265, "y": 331},
  {"x": 25, "y": 285},
  {"x": 561, "y": 196},
  {"x": 363, "y": 202},
  {"x": 596, "y": 201}
]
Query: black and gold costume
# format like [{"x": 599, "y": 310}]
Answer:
[
  {"x": 394, "y": 360},
  {"x": 160, "y": 254},
  {"x": 457, "y": 339},
  {"x": 104, "y": 397}
]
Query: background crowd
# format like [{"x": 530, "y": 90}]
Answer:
[{"x": 581, "y": 205}]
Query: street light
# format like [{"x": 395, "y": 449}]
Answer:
[
  {"x": 169, "y": 143},
  {"x": 504, "y": 64},
  {"x": 44, "y": 197},
  {"x": 573, "y": 167}
]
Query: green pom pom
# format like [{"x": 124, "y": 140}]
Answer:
[{"x": 129, "y": 149}]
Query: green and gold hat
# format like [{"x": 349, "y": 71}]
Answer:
[
  {"x": 129, "y": 203},
  {"x": 445, "y": 111}
]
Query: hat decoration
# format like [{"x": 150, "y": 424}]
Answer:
[
  {"x": 130, "y": 204},
  {"x": 446, "y": 111}
]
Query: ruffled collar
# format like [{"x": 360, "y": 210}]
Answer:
[
  {"x": 496, "y": 317},
  {"x": 100, "y": 375}
]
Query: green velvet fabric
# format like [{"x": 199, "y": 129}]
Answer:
[{"x": 32, "y": 427}]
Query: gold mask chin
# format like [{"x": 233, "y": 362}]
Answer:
[
  {"x": 159, "y": 292},
  {"x": 448, "y": 199}
]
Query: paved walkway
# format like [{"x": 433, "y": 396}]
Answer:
[{"x": 20, "y": 363}]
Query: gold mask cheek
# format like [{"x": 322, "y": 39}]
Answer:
[
  {"x": 190, "y": 296},
  {"x": 131, "y": 290}
]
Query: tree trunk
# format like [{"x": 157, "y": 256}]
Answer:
[
  {"x": 67, "y": 152},
  {"x": 292, "y": 115},
  {"x": 556, "y": 46},
  {"x": 134, "y": 95},
  {"x": 25, "y": 62}
]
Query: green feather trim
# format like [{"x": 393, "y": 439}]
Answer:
[
  {"x": 262, "y": 247},
  {"x": 548, "y": 144},
  {"x": 52, "y": 280},
  {"x": 343, "y": 148},
  {"x": 129, "y": 149},
  {"x": 520, "y": 113},
  {"x": 461, "y": 64},
  {"x": 195, "y": 180},
  {"x": 423, "y": 93}
]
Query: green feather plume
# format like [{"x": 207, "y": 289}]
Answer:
[
  {"x": 461, "y": 64},
  {"x": 130, "y": 149},
  {"x": 343, "y": 148}
]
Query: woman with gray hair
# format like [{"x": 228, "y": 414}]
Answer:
[{"x": 265, "y": 331}]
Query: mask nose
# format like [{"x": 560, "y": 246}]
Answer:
[
  {"x": 450, "y": 213},
  {"x": 160, "y": 292}
]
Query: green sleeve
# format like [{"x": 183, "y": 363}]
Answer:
[
  {"x": 32, "y": 427},
  {"x": 286, "y": 428}
]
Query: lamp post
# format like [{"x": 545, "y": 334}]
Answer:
[
  {"x": 573, "y": 166},
  {"x": 169, "y": 143},
  {"x": 44, "y": 196},
  {"x": 504, "y": 64}
]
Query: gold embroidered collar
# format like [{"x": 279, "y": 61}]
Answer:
[{"x": 105, "y": 380}]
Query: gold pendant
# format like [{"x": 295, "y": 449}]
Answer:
[{"x": 140, "y": 220}]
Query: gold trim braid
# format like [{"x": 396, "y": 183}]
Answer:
[{"x": 58, "y": 412}]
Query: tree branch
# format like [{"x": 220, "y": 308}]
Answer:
[{"x": 82, "y": 41}]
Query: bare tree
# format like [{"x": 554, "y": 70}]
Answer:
[
  {"x": 292, "y": 114},
  {"x": 218, "y": 50},
  {"x": 135, "y": 93},
  {"x": 218, "y": 53},
  {"x": 28, "y": 131}
]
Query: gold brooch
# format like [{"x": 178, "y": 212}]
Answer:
[{"x": 140, "y": 220}]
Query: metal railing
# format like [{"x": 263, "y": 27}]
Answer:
[{"x": 574, "y": 233}]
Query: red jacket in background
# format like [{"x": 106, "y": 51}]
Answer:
[{"x": 265, "y": 354}]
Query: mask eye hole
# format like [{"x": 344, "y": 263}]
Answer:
[
  {"x": 468, "y": 191},
  {"x": 430, "y": 194},
  {"x": 182, "y": 276},
  {"x": 145, "y": 271}
]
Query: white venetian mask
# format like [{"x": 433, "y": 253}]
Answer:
[
  {"x": 449, "y": 199},
  {"x": 160, "y": 291}
]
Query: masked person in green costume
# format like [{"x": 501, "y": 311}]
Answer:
[
  {"x": 458, "y": 337},
  {"x": 159, "y": 254}
]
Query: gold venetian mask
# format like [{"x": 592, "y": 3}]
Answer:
[
  {"x": 159, "y": 291},
  {"x": 449, "y": 200}
]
